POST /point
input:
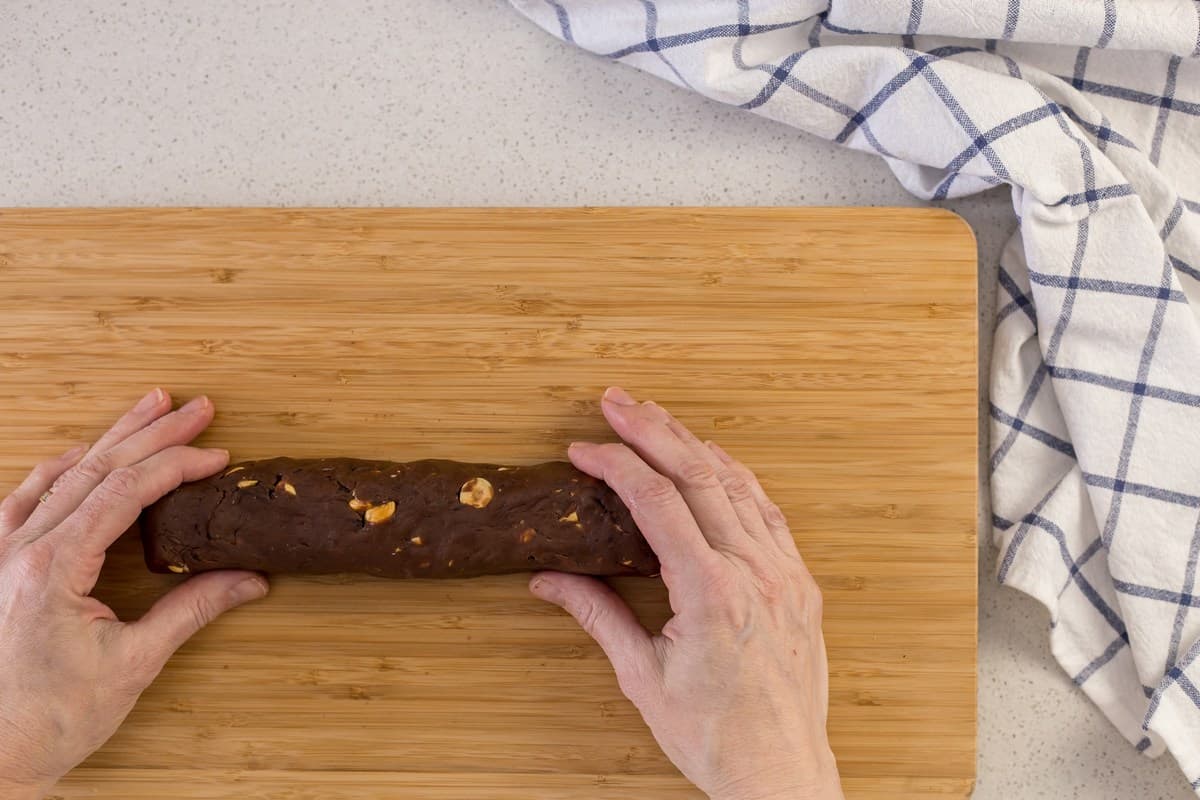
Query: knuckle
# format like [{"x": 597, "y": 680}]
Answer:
[
  {"x": 32, "y": 563},
  {"x": 94, "y": 468},
  {"x": 717, "y": 584},
  {"x": 734, "y": 613},
  {"x": 142, "y": 667},
  {"x": 741, "y": 469},
  {"x": 122, "y": 482},
  {"x": 774, "y": 516},
  {"x": 737, "y": 488},
  {"x": 771, "y": 587},
  {"x": 590, "y": 616},
  {"x": 202, "y": 611},
  {"x": 9, "y": 511},
  {"x": 726, "y": 596},
  {"x": 654, "y": 491},
  {"x": 697, "y": 473}
]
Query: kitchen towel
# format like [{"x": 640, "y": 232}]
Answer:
[{"x": 1090, "y": 111}]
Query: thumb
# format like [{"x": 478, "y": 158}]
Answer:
[
  {"x": 606, "y": 618},
  {"x": 191, "y": 605}
]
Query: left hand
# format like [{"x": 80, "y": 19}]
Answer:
[{"x": 71, "y": 670}]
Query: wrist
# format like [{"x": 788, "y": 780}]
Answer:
[
  {"x": 21, "y": 755},
  {"x": 828, "y": 790},
  {"x": 826, "y": 785},
  {"x": 18, "y": 785},
  {"x": 22, "y": 791}
]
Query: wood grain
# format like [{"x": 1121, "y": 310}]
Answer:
[{"x": 833, "y": 350}]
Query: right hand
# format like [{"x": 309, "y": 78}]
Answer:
[{"x": 736, "y": 687}]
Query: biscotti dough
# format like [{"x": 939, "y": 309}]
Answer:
[{"x": 420, "y": 519}]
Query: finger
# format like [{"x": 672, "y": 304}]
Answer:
[
  {"x": 771, "y": 514},
  {"x": 644, "y": 427},
  {"x": 610, "y": 621},
  {"x": 657, "y": 507},
  {"x": 116, "y": 503},
  {"x": 16, "y": 508},
  {"x": 736, "y": 479},
  {"x": 822, "y": 687},
  {"x": 187, "y": 608},
  {"x": 178, "y": 427},
  {"x": 149, "y": 408}
]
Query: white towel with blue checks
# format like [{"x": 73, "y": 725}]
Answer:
[{"x": 1090, "y": 111}]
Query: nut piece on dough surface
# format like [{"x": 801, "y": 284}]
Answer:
[
  {"x": 381, "y": 513},
  {"x": 477, "y": 492}
]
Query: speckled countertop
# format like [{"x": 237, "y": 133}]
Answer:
[{"x": 423, "y": 102}]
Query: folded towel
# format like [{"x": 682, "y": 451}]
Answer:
[{"x": 1090, "y": 111}]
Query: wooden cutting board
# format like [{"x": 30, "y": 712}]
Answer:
[{"x": 833, "y": 350}]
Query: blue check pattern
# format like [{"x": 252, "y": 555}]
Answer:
[{"x": 1089, "y": 111}]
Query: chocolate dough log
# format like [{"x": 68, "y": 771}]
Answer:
[{"x": 422, "y": 519}]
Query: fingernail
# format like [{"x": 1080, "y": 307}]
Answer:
[
  {"x": 250, "y": 589},
  {"x": 149, "y": 401},
  {"x": 72, "y": 455},
  {"x": 543, "y": 588},
  {"x": 220, "y": 451},
  {"x": 194, "y": 406},
  {"x": 618, "y": 396}
]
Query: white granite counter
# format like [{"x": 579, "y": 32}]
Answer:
[{"x": 421, "y": 102}]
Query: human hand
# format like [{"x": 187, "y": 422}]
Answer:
[
  {"x": 736, "y": 687},
  {"x": 71, "y": 670}
]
